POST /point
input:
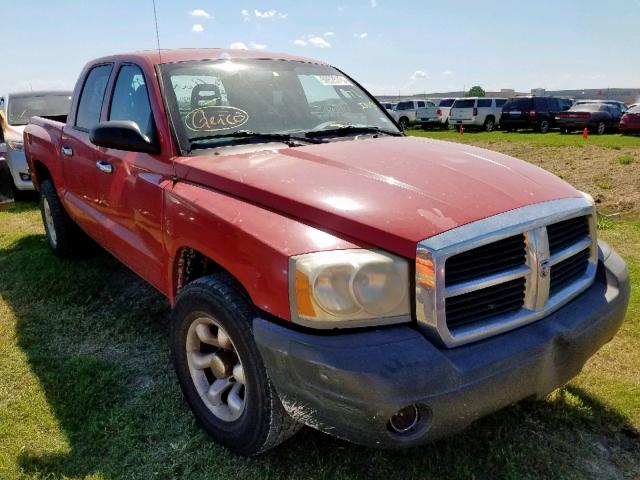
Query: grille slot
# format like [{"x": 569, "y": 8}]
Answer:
[
  {"x": 566, "y": 233},
  {"x": 568, "y": 271},
  {"x": 489, "y": 302},
  {"x": 505, "y": 254}
]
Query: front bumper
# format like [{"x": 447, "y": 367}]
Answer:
[{"x": 350, "y": 384}]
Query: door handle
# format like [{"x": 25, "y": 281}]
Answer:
[
  {"x": 104, "y": 167},
  {"x": 67, "y": 151}
]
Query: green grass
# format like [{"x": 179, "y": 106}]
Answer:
[
  {"x": 626, "y": 159},
  {"x": 87, "y": 391},
  {"x": 552, "y": 139}
]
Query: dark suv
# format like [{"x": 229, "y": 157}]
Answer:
[{"x": 537, "y": 113}]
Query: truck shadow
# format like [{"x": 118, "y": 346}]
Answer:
[{"x": 95, "y": 337}]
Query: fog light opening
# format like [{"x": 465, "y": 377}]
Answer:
[
  {"x": 405, "y": 419},
  {"x": 25, "y": 177}
]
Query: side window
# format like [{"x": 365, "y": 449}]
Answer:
[
  {"x": 484, "y": 102},
  {"x": 420, "y": 104},
  {"x": 541, "y": 104},
  {"x": 130, "y": 99},
  {"x": 92, "y": 96}
]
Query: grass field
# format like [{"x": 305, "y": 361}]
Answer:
[{"x": 87, "y": 389}]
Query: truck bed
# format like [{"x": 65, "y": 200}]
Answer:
[{"x": 42, "y": 138}]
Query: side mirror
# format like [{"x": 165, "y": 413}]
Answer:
[{"x": 122, "y": 135}]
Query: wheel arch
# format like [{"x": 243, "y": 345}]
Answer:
[{"x": 40, "y": 173}]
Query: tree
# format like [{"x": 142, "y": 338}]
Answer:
[{"x": 476, "y": 91}]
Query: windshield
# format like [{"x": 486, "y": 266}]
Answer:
[
  {"x": 219, "y": 98},
  {"x": 22, "y": 107}
]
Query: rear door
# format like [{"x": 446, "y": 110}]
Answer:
[
  {"x": 78, "y": 154},
  {"x": 130, "y": 184}
]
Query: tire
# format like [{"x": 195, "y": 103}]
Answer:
[
  {"x": 543, "y": 126},
  {"x": 220, "y": 304},
  {"x": 601, "y": 128},
  {"x": 489, "y": 124},
  {"x": 63, "y": 235},
  {"x": 404, "y": 123}
]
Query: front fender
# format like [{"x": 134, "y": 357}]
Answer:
[{"x": 252, "y": 243}]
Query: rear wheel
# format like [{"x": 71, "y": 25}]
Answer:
[
  {"x": 489, "y": 124},
  {"x": 63, "y": 235},
  {"x": 220, "y": 369},
  {"x": 601, "y": 128},
  {"x": 543, "y": 126}
]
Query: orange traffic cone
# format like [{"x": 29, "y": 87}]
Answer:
[
  {"x": 461, "y": 129},
  {"x": 585, "y": 134}
]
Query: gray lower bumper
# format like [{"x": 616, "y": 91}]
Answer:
[{"x": 350, "y": 384}]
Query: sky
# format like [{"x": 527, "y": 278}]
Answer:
[{"x": 390, "y": 47}]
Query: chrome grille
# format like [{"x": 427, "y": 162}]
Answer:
[
  {"x": 564, "y": 273},
  {"x": 482, "y": 261},
  {"x": 488, "y": 302},
  {"x": 505, "y": 271}
]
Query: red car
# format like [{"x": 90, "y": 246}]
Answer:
[
  {"x": 630, "y": 122},
  {"x": 323, "y": 268}
]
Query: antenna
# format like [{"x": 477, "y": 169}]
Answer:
[{"x": 155, "y": 16}]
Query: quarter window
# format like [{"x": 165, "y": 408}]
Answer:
[
  {"x": 92, "y": 96},
  {"x": 131, "y": 100},
  {"x": 484, "y": 102}
]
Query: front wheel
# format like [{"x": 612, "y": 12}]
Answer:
[
  {"x": 404, "y": 123},
  {"x": 220, "y": 368},
  {"x": 601, "y": 128}
]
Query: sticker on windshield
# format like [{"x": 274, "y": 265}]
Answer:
[
  {"x": 333, "y": 80},
  {"x": 215, "y": 118}
]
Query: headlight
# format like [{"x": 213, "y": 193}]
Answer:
[
  {"x": 14, "y": 145},
  {"x": 349, "y": 288}
]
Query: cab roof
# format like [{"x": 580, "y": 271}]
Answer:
[{"x": 153, "y": 57}]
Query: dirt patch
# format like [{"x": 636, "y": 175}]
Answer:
[{"x": 614, "y": 183}]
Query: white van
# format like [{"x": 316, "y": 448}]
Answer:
[{"x": 476, "y": 112}]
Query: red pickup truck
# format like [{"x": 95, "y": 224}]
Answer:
[{"x": 323, "y": 268}]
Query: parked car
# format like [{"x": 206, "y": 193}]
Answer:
[
  {"x": 323, "y": 268},
  {"x": 476, "y": 112},
  {"x": 17, "y": 109},
  {"x": 597, "y": 117},
  {"x": 405, "y": 112},
  {"x": 620, "y": 105},
  {"x": 630, "y": 122},
  {"x": 531, "y": 112},
  {"x": 444, "y": 108},
  {"x": 427, "y": 116},
  {"x": 388, "y": 105}
]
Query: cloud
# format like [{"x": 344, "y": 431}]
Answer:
[
  {"x": 313, "y": 40},
  {"x": 447, "y": 72},
  {"x": 329, "y": 34},
  {"x": 419, "y": 74},
  {"x": 374, "y": 3},
  {"x": 257, "y": 46},
  {"x": 238, "y": 46},
  {"x": 361, "y": 35},
  {"x": 319, "y": 42},
  {"x": 245, "y": 15},
  {"x": 198, "y": 12},
  {"x": 197, "y": 28},
  {"x": 269, "y": 14}
]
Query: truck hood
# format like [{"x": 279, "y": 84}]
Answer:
[{"x": 389, "y": 192}]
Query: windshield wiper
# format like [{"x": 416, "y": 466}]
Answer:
[
  {"x": 350, "y": 130},
  {"x": 235, "y": 137}
]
